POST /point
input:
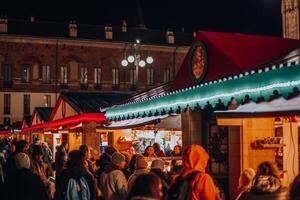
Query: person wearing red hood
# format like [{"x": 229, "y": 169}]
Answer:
[{"x": 202, "y": 186}]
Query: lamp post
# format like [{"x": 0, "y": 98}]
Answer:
[{"x": 136, "y": 59}]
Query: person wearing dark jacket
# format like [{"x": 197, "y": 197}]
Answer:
[
  {"x": 266, "y": 185},
  {"x": 21, "y": 146},
  {"x": 75, "y": 169},
  {"x": 24, "y": 184},
  {"x": 157, "y": 150},
  {"x": 157, "y": 168},
  {"x": 86, "y": 150},
  {"x": 61, "y": 158}
]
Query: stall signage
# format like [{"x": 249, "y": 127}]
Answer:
[{"x": 197, "y": 63}]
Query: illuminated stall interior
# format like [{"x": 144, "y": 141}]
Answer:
[{"x": 141, "y": 132}]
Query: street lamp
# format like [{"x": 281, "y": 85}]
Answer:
[{"x": 136, "y": 59}]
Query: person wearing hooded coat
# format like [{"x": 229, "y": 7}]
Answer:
[{"x": 202, "y": 186}]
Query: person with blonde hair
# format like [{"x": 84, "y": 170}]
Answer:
[{"x": 245, "y": 181}]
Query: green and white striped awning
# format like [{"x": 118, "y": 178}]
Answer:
[{"x": 255, "y": 84}]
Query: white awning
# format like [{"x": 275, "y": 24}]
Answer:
[
  {"x": 163, "y": 121},
  {"x": 279, "y": 105}
]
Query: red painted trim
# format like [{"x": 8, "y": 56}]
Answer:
[
  {"x": 58, "y": 102},
  {"x": 5, "y": 132},
  {"x": 69, "y": 121},
  {"x": 84, "y": 117},
  {"x": 32, "y": 117}
]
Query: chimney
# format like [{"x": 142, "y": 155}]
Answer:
[
  {"x": 72, "y": 29},
  {"x": 108, "y": 32},
  {"x": 170, "y": 37},
  {"x": 124, "y": 26},
  {"x": 3, "y": 24},
  {"x": 32, "y": 19}
]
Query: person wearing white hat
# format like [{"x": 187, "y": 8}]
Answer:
[
  {"x": 113, "y": 182},
  {"x": 24, "y": 184}
]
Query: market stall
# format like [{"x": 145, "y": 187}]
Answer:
[{"x": 265, "y": 131}]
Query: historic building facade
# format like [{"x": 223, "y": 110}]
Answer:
[
  {"x": 38, "y": 60},
  {"x": 290, "y": 19}
]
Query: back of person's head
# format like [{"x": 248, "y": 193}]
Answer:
[
  {"x": 22, "y": 160},
  {"x": 21, "y": 146},
  {"x": 146, "y": 185},
  {"x": 158, "y": 164},
  {"x": 267, "y": 169},
  {"x": 110, "y": 150},
  {"x": 295, "y": 188},
  {"x": 64, "y": 144},
  {"x": 84, "y": 148},
  {"x": 156, "y": 147},
  {"x": 37, "y": 150},
  {"x": 246, "y": 177},
  {"x": 140, "y": 162},
  {"x": 76, "y": 158},
  {"x": 117, "y": 158}
]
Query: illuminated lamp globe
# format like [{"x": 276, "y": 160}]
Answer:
[
  {"x": 149, "y": 60},
  {"x": 130, "y": 59},
  {"x": 124, "y": 63},
  {"x": 142, "y": 63}
]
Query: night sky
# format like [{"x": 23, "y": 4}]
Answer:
[{"x": 261, "y": 17}]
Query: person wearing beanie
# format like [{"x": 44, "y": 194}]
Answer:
[
  {"x": 157, "y": 168},
  {"x": 141, "y": 166},
  {"x": 24, "y": 184},
  {"x": 22, "y": 160},
  {"x": 21, "y": 146},
  {"x": 113, "y": 183}
]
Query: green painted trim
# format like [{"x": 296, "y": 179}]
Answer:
[{"x": 255, "y": 85}]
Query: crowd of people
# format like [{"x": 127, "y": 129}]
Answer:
[{"x": 30, "y": 172}]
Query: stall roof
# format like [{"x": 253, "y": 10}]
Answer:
[
  {"x": 85, "y": 102},
  {"x": 232, "y": 53},
  {"x": 279, "y": 106},
  {"x": 283, "y": 79},
  {"x": 44, "y": 113},
  {"x": 238, "y": 65},
  {"x": 133, "y": 123}
]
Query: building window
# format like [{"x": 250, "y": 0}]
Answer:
[
  {"x": 115, "y": 78},
  {"x": 7, "y": 73},
  {"x": 6, "y": 121},
  {"x": 83, "y": 76},
  {"x": 25, "y": 73},
  {"x": 6, "y": 104},
  {"x": 132, "y": 78},
  {"x": 63, "y": 75},
  {"x": 166, "y": 75},
  {"x": 150, "y": 76},
  {"x": 26, "y": 104},
  {"x": 46, "y": 73},
  {"x": 97, "y": 77},
  {"x": 47, "y": 99}
]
